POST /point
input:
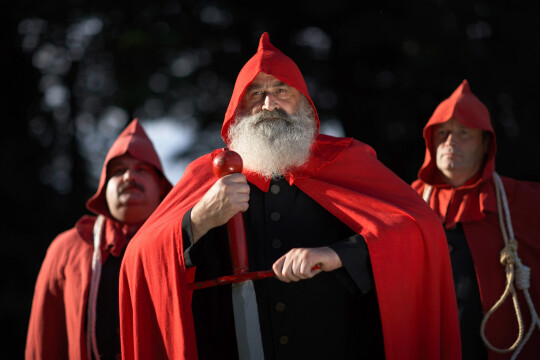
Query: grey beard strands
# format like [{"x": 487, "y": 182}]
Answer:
[{"x": 273, "y": 142}]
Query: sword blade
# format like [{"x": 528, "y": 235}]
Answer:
[{"x": 246, "y": 321}]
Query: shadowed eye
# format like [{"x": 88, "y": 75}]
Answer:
[
  {"x": 143, "y": 168},
  {"x": 282, "y": 93},
  {"x": 117, "y": 171},
  {"x": 441, "y": 132}
]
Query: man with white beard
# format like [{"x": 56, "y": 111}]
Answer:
[
  {"x": 361, "y": 263},
  {"x": 271, "y": 141}
]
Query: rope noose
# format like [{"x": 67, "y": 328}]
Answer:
[{"x": 515, "y": 269}]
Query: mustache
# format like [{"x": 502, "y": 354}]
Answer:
[
  {"x": 128, "y": 185},
  {"x": 277, "y": 114},
  {"x": 451, "y": 151}
]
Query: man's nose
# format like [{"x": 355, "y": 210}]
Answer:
[
  {"x": 128, "y": 174},
  {"x": 270, "y": 102},
  {"x": 450, "y": 139}
]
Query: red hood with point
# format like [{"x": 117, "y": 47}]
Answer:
[
  {"x": 135, "y": 142},
  {"x": 271, "y": 61},
  {"x": 469, "y": 111}
]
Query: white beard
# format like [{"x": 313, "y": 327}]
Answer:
[{"x": 271, "y": 143}]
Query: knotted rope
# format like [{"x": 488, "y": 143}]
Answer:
[{"x": 515, "y": 269}]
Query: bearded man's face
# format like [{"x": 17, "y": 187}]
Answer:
[{"x": 273, "y": 139}]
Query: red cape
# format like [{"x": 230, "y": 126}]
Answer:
[
  {"x": 407, "y": 248},
  {"x": 57, "y": 322},
  {"x": 474, "y": 205},
  {"x": 56, "y": 329}
]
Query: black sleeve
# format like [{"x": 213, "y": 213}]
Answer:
[
  {"x": 354, "y": 256},
  {"x": 210, "y": 246},
  {"x": 192, "y": 249}
]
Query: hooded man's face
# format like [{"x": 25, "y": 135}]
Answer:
[
  {"x": 275, "y": 128},
  {"x": 460, "y": 151},
  {"x": 268, "y": 93},
  {"x": 134, "y": 189}
]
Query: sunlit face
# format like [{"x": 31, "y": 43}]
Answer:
[
  {"x": 134, "y": 189},
  {"x": 268, "y": 93},
  {"x": 460, "y": 151},
  {"x": 272, "y": 142}
]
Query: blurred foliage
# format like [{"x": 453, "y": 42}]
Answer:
[{"x": 78, "y": 71}]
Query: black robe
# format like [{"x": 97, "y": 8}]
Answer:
[
  {"x": 333, "y": 315},
  {"x": 467, "y": 295}
]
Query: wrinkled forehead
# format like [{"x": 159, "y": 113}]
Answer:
[
  {"x": 127, "y": 160},
  {"x": 263, "y": 80},
  {"x": 123, "y": 159}
]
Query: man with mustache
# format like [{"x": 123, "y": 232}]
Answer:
[
  {"x": 384, "y": 286},
  {"x": 75, "y": 306},
  {"x": 459, "y": 182}
]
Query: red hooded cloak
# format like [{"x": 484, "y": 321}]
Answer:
[
  {"x": 57, "y": 322},
  {"x": 474, "y": 206},
  {"x": 406, "y": 243}
]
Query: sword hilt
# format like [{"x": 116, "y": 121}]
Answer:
[{"x": 224, "y": 163}]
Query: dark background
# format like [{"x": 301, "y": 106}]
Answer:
[{"x": 379, "y": 69}]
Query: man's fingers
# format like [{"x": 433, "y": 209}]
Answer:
[
  {"x": 228, "y": 196},
  {"x": 283, "y": 269},
  {"x": 234, "y": 193},
  {"x": 292, "y": 267},
  {"x": 277, "y": 267},
  {"x": 309, "y": 271},
  {"x": 305, "y": 263},
  {"x": 236, "y": 179}
]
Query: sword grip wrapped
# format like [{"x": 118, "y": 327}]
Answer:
[{"x": 224, "y": 163}]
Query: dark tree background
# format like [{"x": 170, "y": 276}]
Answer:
[{"x": 75, "y": 72}]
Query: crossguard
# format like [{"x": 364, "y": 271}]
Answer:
[{"x": 256, "y": 275}]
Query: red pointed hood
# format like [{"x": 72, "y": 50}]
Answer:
[
  {"x": 466, "y": 108},
  {"x": 271, "y": 61},
  {"x": 133, "y": 141}
]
